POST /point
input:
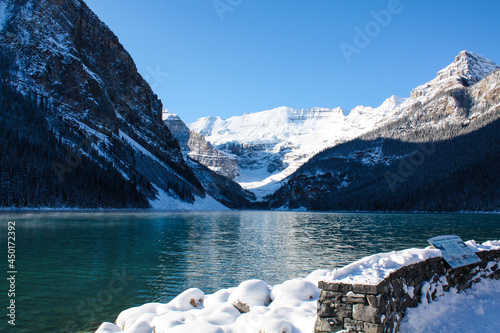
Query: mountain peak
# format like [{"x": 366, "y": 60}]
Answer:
[
  {"x": 467, "y": 69},
  {"x": 469, "y": 66},
  {"x": 392, "y": 102},
  {"x": 168, "y": 115}
]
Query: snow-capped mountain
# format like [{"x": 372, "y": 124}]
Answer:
[
  {"x": 468, "y": 69},
  {"x": 444, "y": 101},
  {"x": 437, "y": 151},
  {"x": 270, "y": 145},
  {"x": 95, "y": 129}
]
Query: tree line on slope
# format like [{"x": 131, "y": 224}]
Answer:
[
  {"x": 43, "y": 165},
  {"x": 460, "y": 174}
]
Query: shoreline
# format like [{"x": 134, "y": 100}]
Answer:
[{"x": 133, "y": 210}]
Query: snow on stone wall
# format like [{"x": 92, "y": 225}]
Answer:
[{"x": 356, "y": 307}]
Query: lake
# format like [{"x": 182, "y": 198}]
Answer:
[{"x": 78, "y": 269}]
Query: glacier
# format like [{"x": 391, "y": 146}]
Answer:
[{"x": 270, "y": 145}]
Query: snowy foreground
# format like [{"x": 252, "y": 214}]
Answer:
[
  {"x": 476, "y": 310},
  {"x": 291, "y": 306}
]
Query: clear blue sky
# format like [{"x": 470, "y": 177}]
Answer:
[{"x": 253, "y": 55}]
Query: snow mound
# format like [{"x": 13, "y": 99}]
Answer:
[
  {"x": 249, "y": 294},
  {"x": 295, "y": 290},
  {"x": 489, "y": 245}
]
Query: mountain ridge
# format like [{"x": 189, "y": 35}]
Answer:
[
  {"x": 270, "y": 145},
  {"x": 237, "y": 134}
]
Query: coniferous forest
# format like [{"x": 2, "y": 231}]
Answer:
[
  {"x": 461, "y": 174},
  {"x": 38, "y": 170}
]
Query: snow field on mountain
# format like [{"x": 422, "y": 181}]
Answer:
[
  {"x": 165, "y": 201},
  {"x": 287, "y": 307},
  {"x": 293, "y": 136},
  {"x": 297, "y": 135}
]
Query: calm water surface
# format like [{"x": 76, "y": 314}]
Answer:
[{"x": 78, "y": 269}]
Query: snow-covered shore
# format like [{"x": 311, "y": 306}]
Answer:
[
  {"x": 254, "y": 306},
  {"x": 474, "y": 310}
]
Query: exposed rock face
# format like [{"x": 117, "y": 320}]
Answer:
[
  {"x": 197, "y": 148},
  {"x": 97, "y": 104}
]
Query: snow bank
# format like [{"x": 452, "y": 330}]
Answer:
[
  {"x": 375, "y": 268},
  {"x": 254, "y": 306},
  {"x": 473, "y": 310},
  {"x": 489, "y": 245}
]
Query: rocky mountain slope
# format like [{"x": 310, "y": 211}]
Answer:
[
  {"x": 437, "y": 151},
  {"x": 194, "y": 146},
  {"x": 63, "y": 68},
  {"x": 271, "y": 145}
]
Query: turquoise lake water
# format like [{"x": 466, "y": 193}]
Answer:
[{"x": 78, "y": 269}]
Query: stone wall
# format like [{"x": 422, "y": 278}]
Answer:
[{"x": 380, "y": 308}]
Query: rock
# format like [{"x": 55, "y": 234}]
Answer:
[
  {"x": 324, "y": 309},
  {"x": 373, "y": 300},
  {"x": 353, "y": 325},
  {"x": 242, "y": 307},
  {"x": 195, "y": 146},
  {"x": 330, "y": 295},
  {"x": 328, "y": 325},
  {"x": 369, "y": 289},
  {"x": 373, "y": 328},
  {"x": 366, "y": 313}
]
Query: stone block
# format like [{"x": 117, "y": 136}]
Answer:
[
  {"x": 373, "y": 300},
  {"x": 369, "y": 288},
  {"x": 324, "y": 325},
  {"x": 335, "y": 286},
  {"x": 330, "y": 286},
  {"x": 342, "y": 306},
  {"x": 345, "y": 287},
  {"x": 353, "y": 298},
  {"x": 330, "y": 295},
  {"x": 397, "y": 288},
  {"x": 324, "y": 310},
  {"x": 366, "y": 313},
  {"x": 353, "y": 325},
  {"x": 343, "y": 314},
  {"x": 373, "y": 328}
]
